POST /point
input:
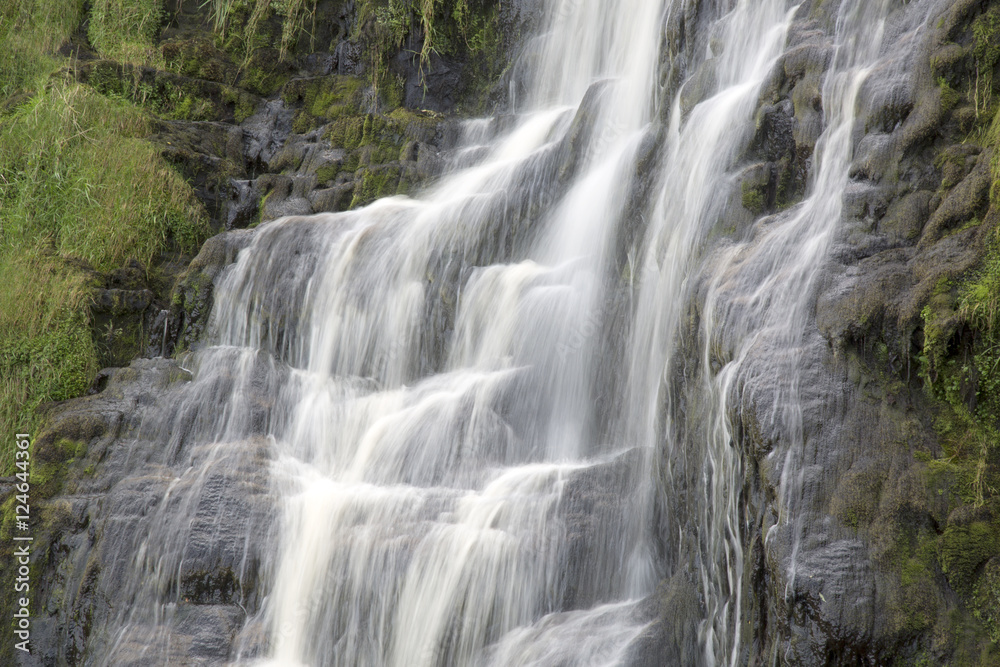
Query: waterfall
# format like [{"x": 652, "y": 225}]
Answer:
[{"x": 495, "y": 417}]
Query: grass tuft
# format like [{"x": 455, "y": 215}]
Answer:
[
  {"x": 74, "y": 169},
  {"x": 46, "y": 352},
  {"x": 126, "y": 30}
]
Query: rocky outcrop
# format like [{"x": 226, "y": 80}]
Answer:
[{"x": 862, "y": 577}]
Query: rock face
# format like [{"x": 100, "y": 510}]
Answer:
[
  {"x": 860, "y": 575},
  {"x": 885, "y": 560},
  {"x": 117, "y": 483}
]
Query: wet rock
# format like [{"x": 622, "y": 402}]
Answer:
[
  {"x": 209, "y": 155},
  {"x": 701, "y": 85},
  {"x": 436, "y": 85},
  {"x": 333, "y": 199},
  {"x": 191, "y": 300},
  {"x": 964, "y": 202},
  {"x": 592, "y": 513},
  {"x": 265, "y": 133},
  {"x": 672, "y": 638},
  {"x": 905, "y": 218},
  {"x": 349, "y": 58},
  {"x": 243, "y": 204}
]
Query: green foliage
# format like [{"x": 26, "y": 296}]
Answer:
[
  {"x": 295, "y": 15},
  {"x": 126, "y": 30},
  {"x": 30, "y": 32},
  {"x": 986, "y": 599},
  {"x": 261, "y": 79},
  {"x": 753, "y": 198},
  {"x": 79, "y": 187},
  {"x": 446, "y": 27},
  {"x": 986, "y": 51},
  {"x": 74, "y": 169},
  {"x": 964, "y": 549},
  {"x": 46, "y": 351},
  {"x": 968, "y": 403}
]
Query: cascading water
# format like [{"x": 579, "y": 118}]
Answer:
[{"x": 495, "y": 416}]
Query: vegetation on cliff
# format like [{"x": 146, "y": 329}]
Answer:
[
  {"x": 938, "y": 526},
  {"x": 81, "y": 193}
]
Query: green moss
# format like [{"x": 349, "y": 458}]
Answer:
[
  {"x": 346, "y": 132},
  {"x": 262, "y": 81},
  {"x": 915, "y": 605},
  {"x": 393, "y": 91},
  {"x": 184, "y": 105},
  {"x": 986, "y": 599},
  {"x": 244, "y": 105},
  {"x": 857, "y": 497},
  {"x": 327, "y": 173},
  {"x": 964, "y": 549},
  {"x": 949, "y": 96},
  {"x": 303, "y": 122},
  {"x": 963, "y": 376},
  {"x": 753, "y": 198},
  {"x": 48, "y": 473},
  {"x": 403, "y": 119},
  {"x": 375, "y": 183},
  {"x": 7, "y": 518},
  {"x": 327, "y": 97},
  {"x": 199, "y": 58}
]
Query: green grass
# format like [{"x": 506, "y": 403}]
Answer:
[
  {"x": 46, "y": 351},
  {"x": 79, "y": 190},
  {"x": 126, "y": 30},
  {"x": 30, "y": 33},
  {"x": 75, "y": 170},
  {"x": 81, "y": 193},
  {"x": 447, "y": 27},
  {"x": 986, "y": 53}
]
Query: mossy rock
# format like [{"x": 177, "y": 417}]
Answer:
[
  {"x": 191, "y": 299},
  {"x": 375, "y": 184},
  {"x": 963, "y": 549},
  {"x": 856, "y": 500},
  {"x": 169, "y": 94},
  {"x": 59, "y": 443},
  {"x": 198, "y": 57},
  {"x": 986, "y": 599},
  {"x": 327, "y": 97},
  {"x": 265, "y": 72},
  {"x": 755, "y": 188}
]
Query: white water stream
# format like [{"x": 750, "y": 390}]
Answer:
[{"x": 471, "y": 403}]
